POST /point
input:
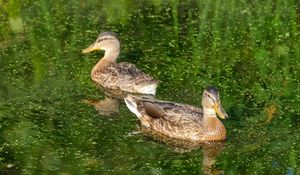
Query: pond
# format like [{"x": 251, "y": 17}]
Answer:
[{"x": 249, "y": 50}]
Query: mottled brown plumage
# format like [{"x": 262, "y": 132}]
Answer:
[
  {"x": 182, "y": 121},
  {"x": 117, "y": 78}
]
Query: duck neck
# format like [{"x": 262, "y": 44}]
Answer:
[
  {"x": 109, "y": 58},
  {"x": 213, "y": 127}
]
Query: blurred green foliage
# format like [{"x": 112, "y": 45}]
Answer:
[{"x": 250, "y": 50}]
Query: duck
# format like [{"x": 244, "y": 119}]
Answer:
[
  {"x": 182, "y": 121},
  {"x": 116, "y": 78}
]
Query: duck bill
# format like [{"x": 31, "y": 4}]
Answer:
[
  {"x": 91, "y": 48},
  {"x": 220, "y": 111}
]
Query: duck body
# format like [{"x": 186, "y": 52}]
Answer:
[
  {"x": 180, "y": 121},
  {"x": 118, "y": 78},
  {"x": 124, "y": 77}
]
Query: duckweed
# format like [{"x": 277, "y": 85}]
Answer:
[{"x": 248, "y": 49}]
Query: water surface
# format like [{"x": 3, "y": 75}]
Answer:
[{"x": 249, "y": 50}]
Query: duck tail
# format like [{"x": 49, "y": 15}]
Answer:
[
  {"x": 132, "y": 106},
  {"x": 148, "y": 89}
]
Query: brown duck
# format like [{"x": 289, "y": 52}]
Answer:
[
  {"x": 118, "y": 77},
  {"x": 182, "y": 121}
]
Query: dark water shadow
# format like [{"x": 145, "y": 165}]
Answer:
[{"x": 210, "y": 150}]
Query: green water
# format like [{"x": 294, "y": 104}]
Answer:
[{"x": 250, "y": 50}]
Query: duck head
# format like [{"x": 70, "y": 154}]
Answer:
[
  {"x": 107, "y": 41},
  {"x": 211, "y": 102}
]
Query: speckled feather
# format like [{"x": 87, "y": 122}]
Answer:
[
  {"x": 179, "y": 121},
  {"x": 124, "y": 77}
]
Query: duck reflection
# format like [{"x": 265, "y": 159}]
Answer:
[
  {"x": 106, "y": 107},
  {"x": 109, "y": 106},
  {"x": 210, "y": 149}
]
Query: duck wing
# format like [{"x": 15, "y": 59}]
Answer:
[
  {"x": 126, "y": 77},
  {"x": 173, "y": 113},
  {"x": 175, "y": 120}
]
